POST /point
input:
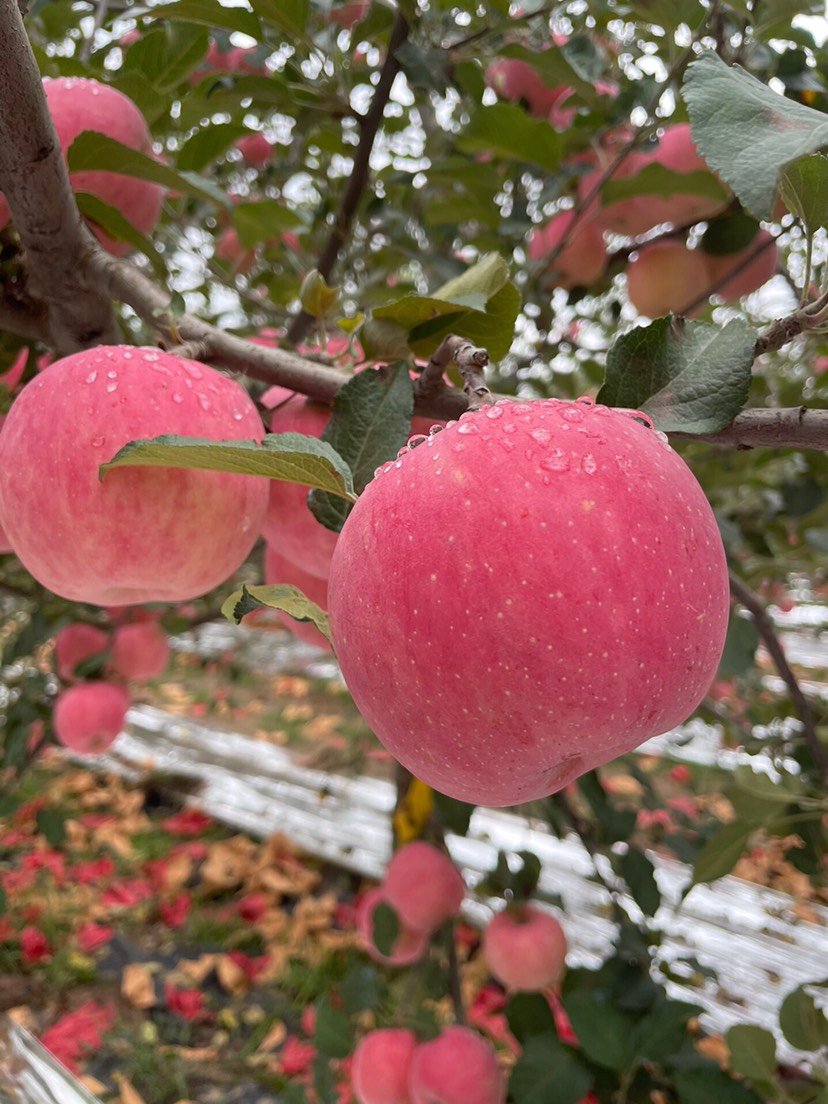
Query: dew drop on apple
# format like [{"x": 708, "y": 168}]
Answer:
[
  {"x": 97, "y": 442},
  {"x": 589, "y": 464},
  {"x": 556, "y": 461},
  {"x": 572, "y": 414},
  {"x": 110, "y": 387},
  {"x": 177, "y": 397},
  {"x": 467, "y": 427},
  {"x": 112, "y": 374},
  {"x": 92, "y": 377},
  {"x": 203, "y": 401},
  {"x": 494, "y": 412}
]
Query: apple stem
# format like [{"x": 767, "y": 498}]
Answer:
[{"x": 470, "y": 359}]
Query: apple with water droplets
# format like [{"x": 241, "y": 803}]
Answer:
[
  {"x": 526, "y": 595},
  {"x": 143, "y": 534}
]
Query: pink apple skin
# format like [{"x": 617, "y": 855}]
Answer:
[
  {"x": 409, "y": 947},
  {"x": 256, "y": 149},
  {"x": 279, "y": 570},
  {"x": 140, "y": 651},
  {"x": 541, "y": 587},
  {"x": 752, "y": 276},
  {"x": 79, "y": 103},
  {"x": 381, "y": 1064},
  {"x": 625, "y": 216},
  {"x": 289, "y": 526},
  {"x": 349, "y": 14},
  {"x": 525, "y": 949},
  {"x": 458, "y": 1067},
  {"x": 665, "y": 276},
  {"x": 88, "y": 717},
  {"x": 517, "y": 80},
  {"x": 143, "y": 534},
  {"x": 677, "y": 151},
  {"x": 5, "y": 544},
  {"x": 582, "y": 261},
  {"x": 423, "y": 886},
  {"x": 76, "y": 643}
]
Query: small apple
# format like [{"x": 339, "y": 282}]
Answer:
[
  {"x": 88, "y": 717},
  {"x": 76, "y": 643},
  {"x": 381, "y": 1064},
  {"x": 752, "y": 274},
  {"x": 525, "y": 948},
  {"x": 140, "y": 651},
  {"x": 458, "y": 1067},
  {"x": 409, "y": 946},
  {"x": 423, "y": 886},
  {"x": 665, "y": 276}
]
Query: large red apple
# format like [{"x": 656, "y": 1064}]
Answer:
[
  {"x": 143, "y": 534},
  {"x": 80, "y": 103},
  {"x": 526, "y": 595}
]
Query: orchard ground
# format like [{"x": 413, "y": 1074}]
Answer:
[{"x": 156, "y": 950}]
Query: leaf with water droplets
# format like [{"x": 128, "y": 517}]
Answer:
[
  {"x": 690, "y": 377},
  {"x": 289, "y": 457}
]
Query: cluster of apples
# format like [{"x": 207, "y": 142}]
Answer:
[
  {"x": 662, "y": 276},
  {"x": 89, "y": 713},
  {"x": 523, "y": 946}
]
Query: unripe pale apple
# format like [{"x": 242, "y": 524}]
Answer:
[
  {"x": 79, "y": 103},
  {"x": 753, "y": 275},
  {"x": 88, "y": 717},
  {"x": 409, "y": 946},
  {"x": 140, "y": 651},
  {"x": 423, "y": 886},
  {"x": 143, "y": 534},
  {"x": 665, "y": 276},
  {"x": 74, "y": 644},
  {"x": 525, "y": 948},
  {"x": 581, "y": 261},
  {"x": 458, "y": 1067},
  {"x": 381, "y": 1065},
  {"x": 526, "y": 595},
  {"x": 278, "y": 569}
]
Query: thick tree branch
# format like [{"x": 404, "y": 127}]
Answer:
[
  {"x": 794, "y": 427},
  {"x": 36, "y": 186},
  {"x": 369, "y": 128},
  {"x": 764, "y": 626}
]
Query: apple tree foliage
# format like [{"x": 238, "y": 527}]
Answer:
[{"x": 394, "y": 207}]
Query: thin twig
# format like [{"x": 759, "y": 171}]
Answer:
[{"x": 767, "y": 633}]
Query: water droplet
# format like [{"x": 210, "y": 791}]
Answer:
[
  {"x": 417, "y": 439},
  {"x": 127, "y": 356},
  {"x": 97, "y": 442},
  {"x": 177, "y": 397},
  {"x": 110, "y": 387},
  {"x": 435, "y": 429},
  {"x": 188, "y": 383},
  {"x": 509, "y": 427},
  {"x": 237, "y": 415},
  {"x": 468, "y": 427},
  {"x": 588, "y": 464},
  {"x": 398, "y": 463},
  {"x": 541, "y": 434},
  {"x": 112, "y": 375},
  {"x": 663, "y": 439},
  {"x": 203, "y": 401},
  {"x": 494, "y": 411},
  {"x": 452, "y": 422},
  {"x": 506, "y": 443},
  {"x": 192, "y": 369},
  {"x": 402, "y": 451},
  {"x": 557, "y": 460},
  {"x": 585, "y": 400},
  {"x": 572, "y": 414},
  {"x": 91, "y": 377}
]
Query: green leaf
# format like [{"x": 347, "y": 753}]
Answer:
[
  {"x": 289, "y": 457},
  {"x": 752, "y": 1053},
  {"x": 804, "y": 1024},
  {"x": 721, "y": 852},
  {"x": 316, "y": 296},
  {"x": 113, "y": 223},
  {"x": 663, "y": 1032},
  {"x": 385, "y": 927},
  {"x": 690, "y": 377},
  {"x": 741, "y": 642},
  {"x": 477, "y": 284},
  {"x": 165, "y": 56},
  {"x": 207, "y": 144},
  {"x": 605, "y": 1033},
  {"x": 804, "y": 189},
  {"x": 547, "y": 1071},
  {"x": 746, "y": 132},
  {"x": 261, "y": 222},
  {"x": 333, "y": 1033},
  {"x": 360, "y": 988},
  {"x": 729, "y": 234},
  {"x": 52, "y": 824},
  {"x": 656, "y": 180},
  {"x": 287, "y": 599},
  {"x": 92, "y": 150},
  {"x": 709, "y": 1083},
  {"x": 370, "y": 423},
  {"x": 556, "y": 68},
  {"x": 637, "y": 871},
  {"x": 209, "y": 13},
  {"x": 508, "y": 132},
  {"x": 529, "y": 1014},
  {"x": 455, "y": 815}
]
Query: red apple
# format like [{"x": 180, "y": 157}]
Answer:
[
  {"x": 277, "y": 569},
  {"x": 74, "y": 644},
  {"x": 517, "y": 80},
  {"x": 525, "y": 948},
  {"x": 423, "y": 886},
  {"x": 665, "y": 276},
  {"x": 347, "y": 15},
  {"x": 753, "y": 275},
  {"x": 541, "y": 587},
  {"x": 256, "y": 149},
  {"x": 143, "y": 534},
  {"x": 458, "y": 1067},
  {"x": 409, "y": 946},
  {"x": 88, "y": 717},
  {"x": 79, "y": 103},
  {"x": 623, "y": 216},
  {"x": 140, "y": 651},
  {"x": 581, "y": 261},
  {"x": 381, "y": 1064}
]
